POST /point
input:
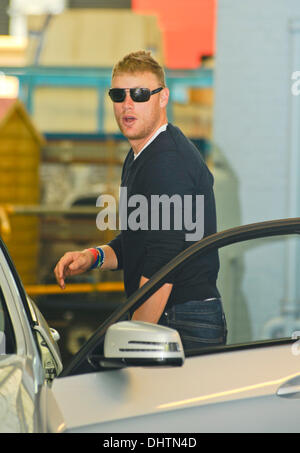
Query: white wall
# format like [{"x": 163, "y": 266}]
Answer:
[
  {"x": 252, "y": 85},
  {"x": 253, "y": 127}
]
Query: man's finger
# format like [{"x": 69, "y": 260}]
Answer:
[
  {"x": 71, "y": 263},
  {"x": 60, "y": 272},
  {"x": 60, "y": 277},
  {"x": 60, "y": 280},
  {"x": 61, "y": 283}
]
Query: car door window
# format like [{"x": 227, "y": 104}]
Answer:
[
  {"x": 7, "y": 336},
  {"x": 259, "y": 266},
  {"x": 260, "y": 289}
]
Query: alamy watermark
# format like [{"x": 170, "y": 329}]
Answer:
[{"x": 157, "y": 212}]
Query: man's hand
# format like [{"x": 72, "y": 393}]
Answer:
[{"x": 73, "y": 263}]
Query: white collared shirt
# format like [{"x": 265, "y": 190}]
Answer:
[{"x": 161, "y": 129}]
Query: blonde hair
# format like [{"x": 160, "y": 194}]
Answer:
[{"x": 140, "y": 61}]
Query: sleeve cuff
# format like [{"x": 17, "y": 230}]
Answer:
[{"x": 116, "y": 245}]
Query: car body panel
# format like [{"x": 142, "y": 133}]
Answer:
[
  {"x": 22, "y": 409},
  {"x": 132, "y": 399},
  {"x": 254, "y": 415},
  {"x": 52, "y": 419},
  {"x": 26, "y": 401},
  {"x": 17, "y": 397}
]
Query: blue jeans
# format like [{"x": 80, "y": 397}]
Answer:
[{"x": 200, "y": 324}]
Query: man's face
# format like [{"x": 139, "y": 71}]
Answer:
[{"x": 139, "y": 120}]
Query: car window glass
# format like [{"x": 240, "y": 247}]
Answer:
[
  {"x": 258, "y": 281},
  {"x": 7, "y": 336},
  {"x": 260, "y": 289}
]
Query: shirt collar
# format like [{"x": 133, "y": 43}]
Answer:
[{"x": 161, "y": 129}]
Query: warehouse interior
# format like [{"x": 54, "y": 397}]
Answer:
[{"x": 231, "y": 69}]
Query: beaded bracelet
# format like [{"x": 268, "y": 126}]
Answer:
[
  {"x": 98, "y": 256},
  {"x": 101, "y": 256}
]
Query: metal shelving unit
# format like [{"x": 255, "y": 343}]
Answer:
[{"x": 31, "y": 77}]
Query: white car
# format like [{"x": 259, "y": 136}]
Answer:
[{"x": 135, "y": 377}]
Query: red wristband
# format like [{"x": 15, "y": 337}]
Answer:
[{"x": 95, "y": 253}]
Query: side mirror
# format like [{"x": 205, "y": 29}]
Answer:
[{"x": 136, "y": 343}]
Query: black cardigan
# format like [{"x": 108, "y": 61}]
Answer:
[{"x": 170, "y": 165}]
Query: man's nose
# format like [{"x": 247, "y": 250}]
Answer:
[{"x": 127, "y": 99}]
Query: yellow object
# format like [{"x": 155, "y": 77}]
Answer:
[
  {"x": 75, "y": 288},
  {"x": 202, "y": 96},
  {"x": 9, "y": 86},
  {"x": 5, "y": 227},
  {"x": 20, "y": 145},
  {"x": 13, "y": 50}
]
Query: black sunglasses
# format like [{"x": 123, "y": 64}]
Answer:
[{"x": 136, "y": 94}]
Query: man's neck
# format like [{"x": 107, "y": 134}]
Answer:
[
  {"x": 138, "y": 145},
  {"x": 152, "y": 138}
]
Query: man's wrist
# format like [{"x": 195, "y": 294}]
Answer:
[
  {"x": 98, "y": 255},
  {"x": 94, "y": 252},
  {"x": 101, "y": 255}
]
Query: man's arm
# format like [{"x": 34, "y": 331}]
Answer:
[
  {"x": 152, "y": 309},
  {"x": 75, "y": 263}
]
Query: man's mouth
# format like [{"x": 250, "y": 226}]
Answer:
[{"x": 128, "y": 120}]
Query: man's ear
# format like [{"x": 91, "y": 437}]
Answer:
[{"x": 164, "y": 97}]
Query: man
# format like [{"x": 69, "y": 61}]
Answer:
[{"x": 162, "y": 162}]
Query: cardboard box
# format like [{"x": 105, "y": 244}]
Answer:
[
  {"x": 65, "y": 109},
  {"x": 202, "y": 96},
  {"x": 194, "y": 120},
  {"x": 91, "y": 37}
]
